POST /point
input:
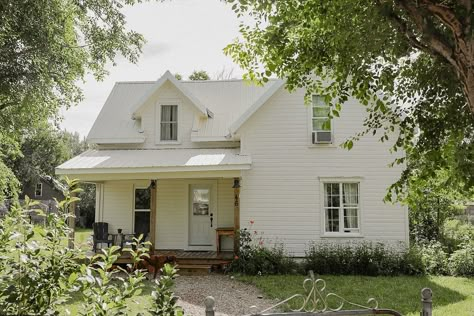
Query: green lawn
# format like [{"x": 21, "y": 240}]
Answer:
[
  {"x": 83, "y": 238},
  {"x": 451, "y": 296}
]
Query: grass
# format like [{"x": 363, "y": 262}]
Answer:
[
  {"x": 83, "y": 239},
  {"x": 138, "y": 305},
  {"x": 451, "y": 296}
]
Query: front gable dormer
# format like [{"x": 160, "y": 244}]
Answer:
[{"x": 167, "y": 78}]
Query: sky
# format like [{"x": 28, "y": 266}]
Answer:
[{"x": 182, "y": 36}]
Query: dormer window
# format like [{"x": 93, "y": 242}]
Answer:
[{"x": 169, "y": 123}]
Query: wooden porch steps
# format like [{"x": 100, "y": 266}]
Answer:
[{"x": 194, "y": 269}]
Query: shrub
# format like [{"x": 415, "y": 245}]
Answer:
[
  {"x": 455, "y": 233},
  {"x": 412, "y": 261},
  {"x": 105, "y": 287},
  {"x": 461, "y": 261},
  {"x": 359, "y": 258},
  {"x": 164, "y": 301},
  {"x": 434, "y": 258},
  {"x": 255, "y": 258},
  {"x": 35, "y": 264}
]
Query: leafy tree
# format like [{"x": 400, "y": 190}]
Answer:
[
  {"x": 46, "y": 47},
  {"x": 199, "y": 75},
  {"x": 42, "y": 149},
  {"x": 407, "y": 61},
  {"x": 431, "y": 204},
  {"x": 178, "y": 76}
]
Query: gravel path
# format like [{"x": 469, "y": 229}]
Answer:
[{"x": 232, "y": 297}]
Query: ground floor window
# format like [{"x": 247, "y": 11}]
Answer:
[
  {"x": 142, "y": 211},
  {"x": 341, "y": 207}
]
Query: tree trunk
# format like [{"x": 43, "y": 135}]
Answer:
[{"x": 458, "y": 50}]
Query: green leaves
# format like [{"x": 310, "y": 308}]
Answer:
[
  {"x": 36, "y": 269},
  {"x": 164, "y": 301},
  {"x": 345, "y": 48},
  {"x": 46, "y": 48}
]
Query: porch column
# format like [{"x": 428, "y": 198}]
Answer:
[
  {"x": 236, "y": 187},
  {"x": 152, "y": 215}
]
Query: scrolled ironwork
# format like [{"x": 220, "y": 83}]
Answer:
[{"x": 316, "y": 300}]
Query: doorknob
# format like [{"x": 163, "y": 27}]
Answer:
[{"x": 212, "y": 218}]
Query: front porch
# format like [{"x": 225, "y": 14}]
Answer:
[{"x": 200, "y": 262}]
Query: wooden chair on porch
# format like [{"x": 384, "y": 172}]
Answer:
[{"x": 101, "y": 235}]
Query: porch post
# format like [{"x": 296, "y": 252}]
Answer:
[
  {"x": 236, "y": 187},
  {"x": 72, "y": 222},
  {"x": 152, "y": 215}
]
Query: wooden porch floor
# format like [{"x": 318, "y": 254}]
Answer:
[
  {"x": 186, "y": 257},
  {"x": 184, "y": 254}
]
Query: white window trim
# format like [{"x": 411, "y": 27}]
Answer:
[
  {"x": 158, "y": 106},
  {"x": 332, "y": 144},
  {"x": 322, "y": 181},
  {"x": 41, "y": 189}
]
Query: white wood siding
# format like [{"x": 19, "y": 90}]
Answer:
[
  {"x": 282, "y": 191},
  {"x": 172, "y": 209},
  {"x": 187, "y": 117}
]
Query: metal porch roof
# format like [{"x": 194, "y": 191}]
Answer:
[{"x": 154, "y": 160}]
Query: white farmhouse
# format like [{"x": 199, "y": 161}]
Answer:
[{"x": 187, "y": 161}]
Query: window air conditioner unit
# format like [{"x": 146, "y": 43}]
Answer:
[{"x": 322, "y": 137}]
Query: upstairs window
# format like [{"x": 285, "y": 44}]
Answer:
[
  {"x": 321, "y": 123},
  {"x": 169, "y": 123},
  {"x": 39, "y": 189},
  {"x": 341, "y": 207}
]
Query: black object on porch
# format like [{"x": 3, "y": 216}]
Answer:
[{"x": 101, "y": 235}]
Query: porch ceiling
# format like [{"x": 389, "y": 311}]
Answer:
[{"x": 155, "y": 161}]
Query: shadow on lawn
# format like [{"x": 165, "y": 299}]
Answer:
[{"x": 400, "y": 293}]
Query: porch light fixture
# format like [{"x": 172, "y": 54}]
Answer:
[{"x": 236, "y": 184}]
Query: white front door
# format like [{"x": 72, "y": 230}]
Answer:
[{"x": 202, "y": 216}]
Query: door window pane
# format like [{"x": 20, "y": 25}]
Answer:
[{"x": 200, "y": 201}]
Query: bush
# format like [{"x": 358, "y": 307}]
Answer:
[
  {"x": 359, "y": 258},
  {"x": 461, "y": 262},
  {"x": 35, "y": 264},
  {"x": 164, "y": 300},
  {"x": 256, "y": 259},
  {"x": 455, "y": 233},
  {"x": 434, "y": 258}
]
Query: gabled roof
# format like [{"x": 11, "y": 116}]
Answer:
[
  {"x": 159, "y": 83},
  {"x": 255, "y": 106},
  {"x": 232, "y": 102}
]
